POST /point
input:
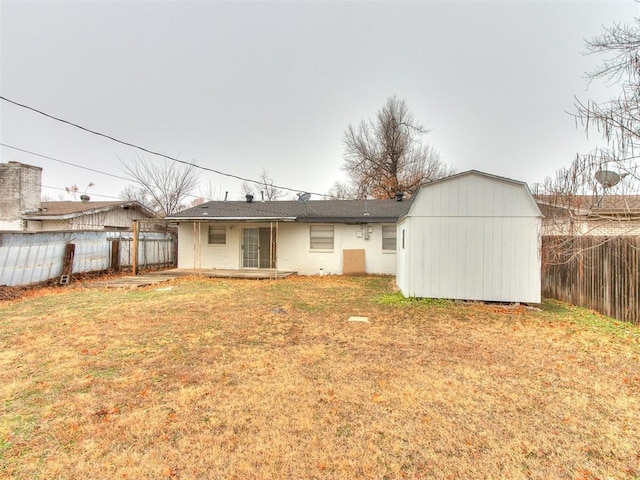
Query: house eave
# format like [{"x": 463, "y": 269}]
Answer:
[
  {"x": 345, "y": 220},
  {"x": 49, "y": 217},
  {"x": 348, "y": 220},
  {"x": 230, "y": 219}
]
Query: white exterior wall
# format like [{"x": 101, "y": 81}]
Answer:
[
  {"x": 293, "y": 248},
  {"x": 294, "y": 252},
  {"x": 611, "y": 227},
  {"x": 404, "y": 270},
  {"x": 210, "y": 256},
  {"x": 10, "y": 225},
  {"x": 595, "y": 226},
  {"x": 19, "y": 193},
  {"x": 472, "y": 238}
]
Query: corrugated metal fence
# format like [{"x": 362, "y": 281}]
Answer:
[
  {"x": 33, "y": 257},
  {"x": 601, "y": 273}
]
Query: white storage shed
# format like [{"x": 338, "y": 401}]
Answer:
[{"x": 471, "y": 236}]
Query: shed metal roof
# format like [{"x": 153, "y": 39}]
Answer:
[{"x": 465, "y": 201}]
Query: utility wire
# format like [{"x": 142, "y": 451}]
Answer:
[
  {"x": 173, "y": 159},
  {"x": 92, "y": 193},
  {"x": 65, "y": 162},
  {"x": 253, "y": 208},
  {"x": 85, "y": 168}
]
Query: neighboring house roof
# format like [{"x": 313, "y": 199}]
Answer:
[
  {"x": 592, "y": 204},
  {"x": 67, "y": 210},
  {"x": 331, "y": 211}
]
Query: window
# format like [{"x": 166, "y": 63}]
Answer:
[
  {"x": 388, "y": 237},
  {"x": 321, "y": 237},
  {"x": 217, "y": 235}
]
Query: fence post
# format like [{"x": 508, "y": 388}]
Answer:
[
  {"x": 174, "y": 253},
  {"x": 115, "y": 255},
  {"x": 134, "y": 249},
  {"x": 67, "y": 263}
]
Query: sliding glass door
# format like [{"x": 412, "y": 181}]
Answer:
[{"x": 258, "y": 248}]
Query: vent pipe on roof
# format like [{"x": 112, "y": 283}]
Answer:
[
  {"x": 226, "y": 194},
  {"x": 399, "y": 196},
  {"x": 249, "y": 198}
]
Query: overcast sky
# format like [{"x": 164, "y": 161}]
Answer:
[{"x": 242, "y": 86}]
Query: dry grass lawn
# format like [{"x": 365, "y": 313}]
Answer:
[{"x": 245, "y": 379}]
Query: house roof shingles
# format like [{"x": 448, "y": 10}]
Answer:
[{"x": 343, "y": 211}]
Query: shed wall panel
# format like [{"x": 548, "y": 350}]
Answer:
[
  {"x": 492, "y": 259},
  {"x": 402, "y": 265}
]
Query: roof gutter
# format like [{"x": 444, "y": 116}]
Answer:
[
  {"x": 231, "y": 219},
  {"x": 347, "y": 220}
]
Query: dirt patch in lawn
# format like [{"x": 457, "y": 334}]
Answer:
[{"x": 268, "y": 379}]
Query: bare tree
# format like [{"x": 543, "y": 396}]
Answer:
[
  {"x": 264, "y": 185},
  {"x": 163, "y": 188},
  {"x": 341, "y": 191},
  {"x": 387, "y": 154},
  {"x": 617, "y": 119},
  {"x": 594, "y": 231},
  {"x": 247, "y": 189},
  {"x": 206, "y": 194},
  {"x": 577, "y": 194}
]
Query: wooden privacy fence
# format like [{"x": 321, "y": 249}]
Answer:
[
  {"x": 34, "y": 257},
  {"x": 600, "y": 273}
]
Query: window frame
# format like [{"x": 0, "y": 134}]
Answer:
[
  {"x": 318, "y": 238},
  {"x": 211, "y": 236},
  {"x": 387, "y": 229}
]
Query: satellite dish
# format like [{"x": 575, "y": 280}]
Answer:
[
  {"x": 607, "y": 178},
  {"x": 304, "y": 197}
]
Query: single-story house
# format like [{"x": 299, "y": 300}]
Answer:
[
  {"x": 591, "y": 215},
  {"x": 471, "y": 236},
  {"x": 311, "y": 238},
  {"x": 86, "y": 215},
  {"x": 22, "y": 210}
]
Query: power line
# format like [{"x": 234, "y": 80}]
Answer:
[
  {"x": 96, "y": 194},
  {"x": 83, "y": 167},
  {"x": 173, "y": 159},
  {"x": 104, "y": 173},
  {"x": 254, "y": 208},
  {"x": 65, "y": 162}
]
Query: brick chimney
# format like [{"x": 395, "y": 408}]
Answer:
[{"x": 20, "y": 189}]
